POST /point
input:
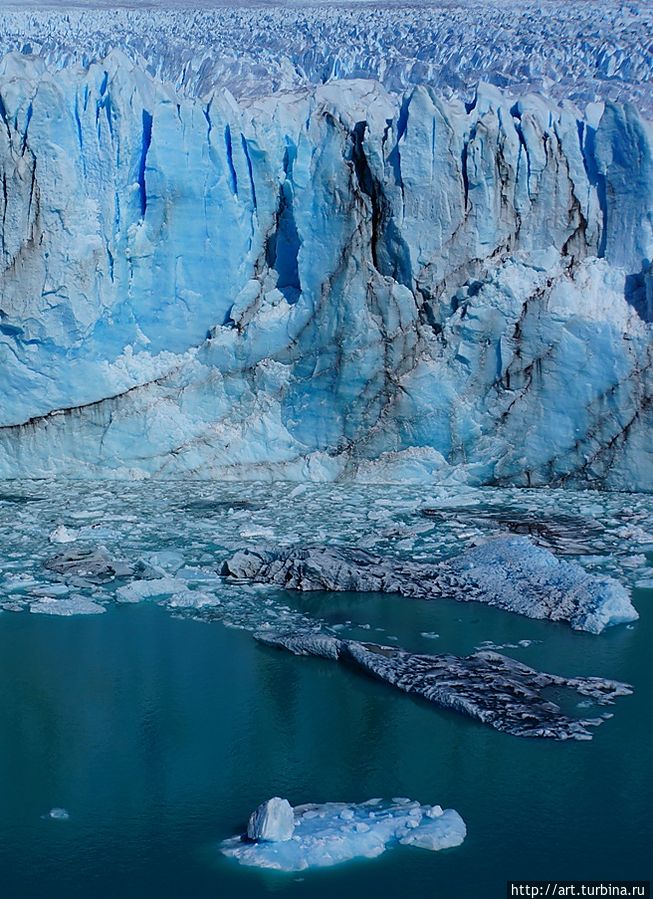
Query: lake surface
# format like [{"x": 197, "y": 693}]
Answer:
[{"x": 159, "y": 734}]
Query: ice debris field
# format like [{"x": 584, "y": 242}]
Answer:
[{"x": 201, "y": 551}]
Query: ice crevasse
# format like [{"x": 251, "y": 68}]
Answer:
[{"x": 336, "y": 281}]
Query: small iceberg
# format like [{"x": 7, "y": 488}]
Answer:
[
  {"x": 58, "y": 814},
  {"x": 74, "y": 605},
  {"x": 318, "y": 836}
]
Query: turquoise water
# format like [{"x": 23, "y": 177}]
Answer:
[{"x": 159, "y": 735}]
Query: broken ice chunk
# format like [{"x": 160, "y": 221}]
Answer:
[
  {"x": 73, "y": 605},
  {"x": 273, "y": 821}
]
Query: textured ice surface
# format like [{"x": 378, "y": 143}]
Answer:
[
  {"x": 272, "y": 821},
  {"x": 73, "y": 605},
  {"x": 147, "y": 589},
  {"x": 583, "y": 50},
  {"x": 492, "y": 688},
  {"x": 510, "y": 573},
  {"x": 329, "y": 282},
  {"x": 336, "y": 832}
]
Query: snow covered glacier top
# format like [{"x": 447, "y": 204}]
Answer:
[{"x": 581, "y": 49}]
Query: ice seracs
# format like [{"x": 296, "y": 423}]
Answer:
[
  {"x": 509, "y": 573},
  {"x": 336, "y": 832}
]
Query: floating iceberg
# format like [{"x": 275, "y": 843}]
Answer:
[
  {"x": 138, "y": 590},
  {"x": 62, "y": 534},
  {"x": 94, "y": 564},
  {"x": 336, "y": 832},
  {"x": 58, "y": 814},
  {"x": 492, "y": 688},
  {"x": 509, "y": 573}
]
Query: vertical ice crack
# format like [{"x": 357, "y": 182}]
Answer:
[
  {"x": 230, "y": 160},
  {"x": 145, "y": 146}
]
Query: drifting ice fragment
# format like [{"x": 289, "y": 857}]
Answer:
[
  {"x": 62, "y": 534},
  {"x": 139, "y": 590},
  {"x": 58, "y": 814},
  {"x": 336, "y": 832},
  {"x": 74, "y": 605}
]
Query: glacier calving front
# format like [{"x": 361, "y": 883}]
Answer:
[{"x": 336, "y": 281}]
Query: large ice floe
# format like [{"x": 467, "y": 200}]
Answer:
[
  {"x": 337, "y": 280},
  {"x": 336, "y": 832},
  {"x": 490, "y": 687},
  {"x": 510, "y": 573}
]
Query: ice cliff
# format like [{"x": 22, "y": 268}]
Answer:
[{"x": 337, "y": 280}]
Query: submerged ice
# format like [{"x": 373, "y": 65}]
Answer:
[
  {"x": 487, "y": 686},
  {"x": 336, "y": 832}
]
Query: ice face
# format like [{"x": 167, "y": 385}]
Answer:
[
  {"x": 273, "y": 821},
  {"x": 329, "y": 834},
  {"x": 319, "y": 284}
]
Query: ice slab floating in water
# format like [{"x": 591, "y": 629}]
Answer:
[
  {"x": 74, "y": 605},
  {"x": 510, "y": 573},
  {"x": 492, "y": 688},
  {"x": 336, "y": 832}
]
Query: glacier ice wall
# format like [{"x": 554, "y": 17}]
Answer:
[{"x": 332, "y": 281}]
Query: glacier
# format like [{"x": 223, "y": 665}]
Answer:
[{"x": 359, "y": 278}]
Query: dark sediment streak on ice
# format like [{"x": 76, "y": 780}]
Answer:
[{"x": 487, "y": 686}]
